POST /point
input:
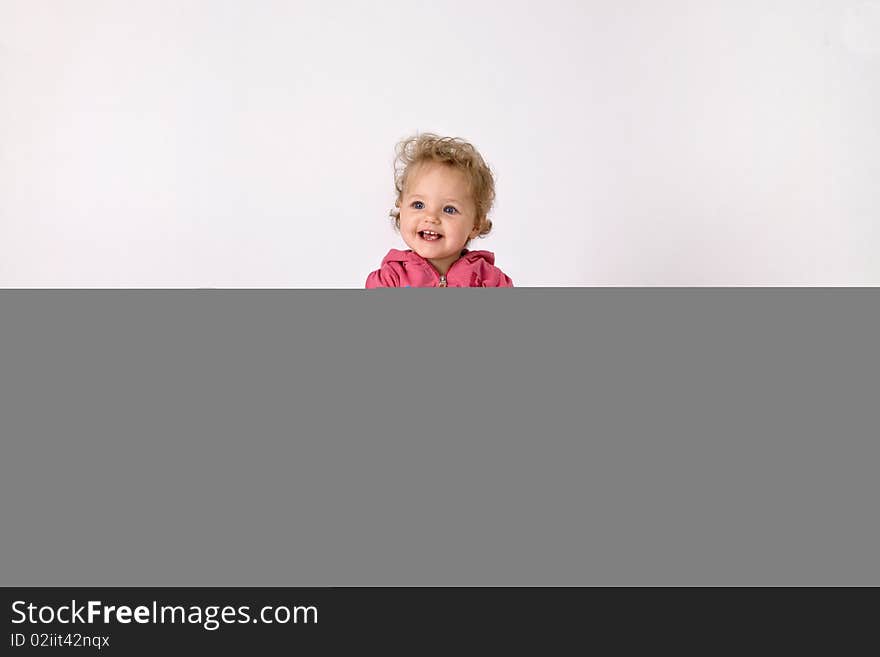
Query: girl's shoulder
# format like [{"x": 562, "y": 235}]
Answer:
[
  {"x": 482, "y": 271},
  {"x": 400, "y": 269}
]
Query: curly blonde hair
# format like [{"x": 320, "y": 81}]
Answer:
[{"x": 452, "y": 151}]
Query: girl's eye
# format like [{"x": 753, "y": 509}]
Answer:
[
  {"x": 417, "y": 205},
  {"x": 450, "y": 210}
]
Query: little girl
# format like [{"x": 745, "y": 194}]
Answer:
[{"x": 444, "y": 192}]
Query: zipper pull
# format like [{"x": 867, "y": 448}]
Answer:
[{"x": 442, "y": 281}]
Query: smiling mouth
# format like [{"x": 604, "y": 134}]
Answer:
[{"x": 430, "y": 235}]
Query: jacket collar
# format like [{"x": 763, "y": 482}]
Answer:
[{"x": 410, "y": 256}]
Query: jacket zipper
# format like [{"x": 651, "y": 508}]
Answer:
[{"x": 442, "y": 276}]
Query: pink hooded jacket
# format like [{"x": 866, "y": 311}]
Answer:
[{"x": 409, "y": 269}]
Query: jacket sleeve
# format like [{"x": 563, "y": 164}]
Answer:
[{"x": 384, "y": 277}]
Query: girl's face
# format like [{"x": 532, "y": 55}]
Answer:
[{"x": 437, "y": 214}]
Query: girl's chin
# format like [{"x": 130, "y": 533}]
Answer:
[
  {"x": 432, "y": 250},
  {"x": 431, "y": 254},
  {"x": 421, "y": 247}
]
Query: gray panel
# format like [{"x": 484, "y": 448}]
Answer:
[{"x": 439, "y": 437}]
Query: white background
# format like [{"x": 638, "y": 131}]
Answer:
[{"x": 193, "y": 143}]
